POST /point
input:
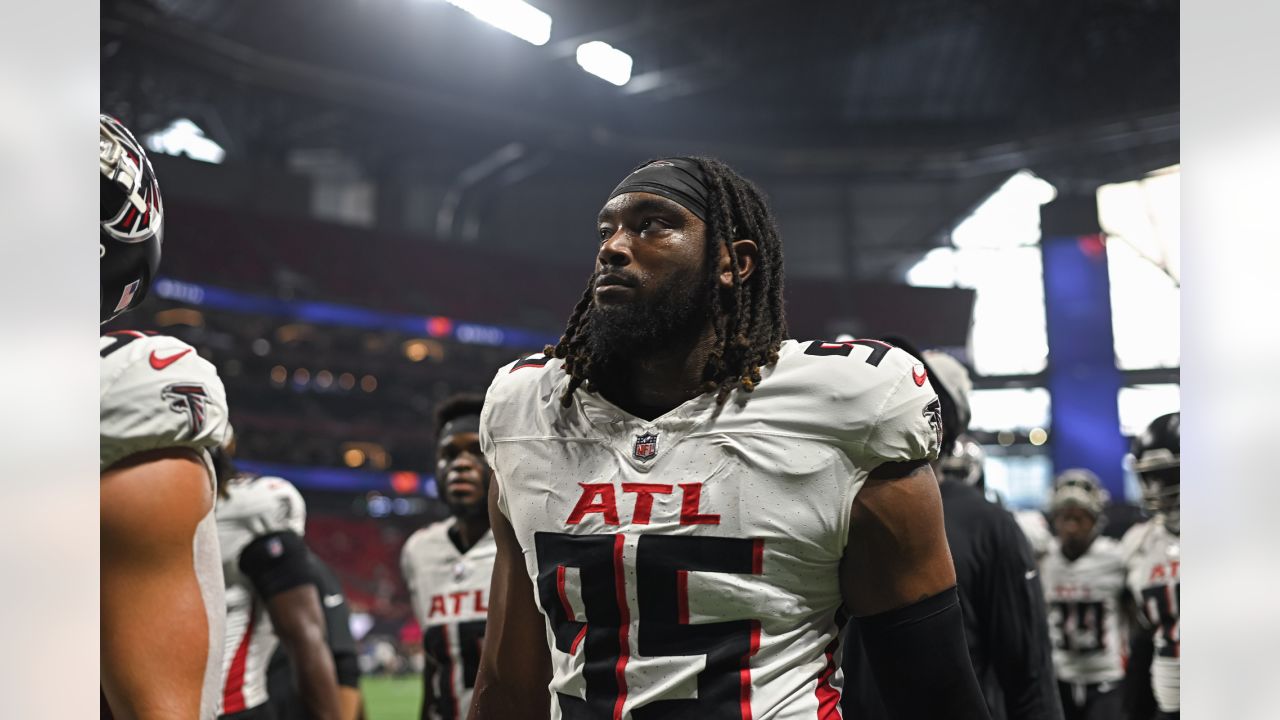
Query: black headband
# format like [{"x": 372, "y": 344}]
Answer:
[
  {"x": 677, "y": 179},
  {"x": 460, "y": 424}
]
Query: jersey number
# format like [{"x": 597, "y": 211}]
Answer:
[
  {"x": 1080, "y": 626},
  {"x": 437, "y": 644},
  {"x": 878, "y": 349},
  {"x": 662, "y": 567},
  {"x": 1161, "y": 603}
]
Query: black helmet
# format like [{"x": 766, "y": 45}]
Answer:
[
  {"x": 131, "y": 220},
  {"x": 1156, "y": 459}
]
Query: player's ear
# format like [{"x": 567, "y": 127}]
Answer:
[{"x": 748, "y": 255}]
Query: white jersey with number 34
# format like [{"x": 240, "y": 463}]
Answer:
[
  {"x": 688, "y": 566},
  {"x": 1084, "y": 611}
]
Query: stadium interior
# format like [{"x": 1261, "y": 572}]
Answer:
[{"x": 373, "y": 205}]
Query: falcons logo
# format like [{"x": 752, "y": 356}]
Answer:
[
  {"x": 122, "y": 162},
  {"x": 933, "y": 412},
  {"x": 188, "y": 398}
]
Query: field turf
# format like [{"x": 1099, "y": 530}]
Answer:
[{"x": 391, "y": 698}]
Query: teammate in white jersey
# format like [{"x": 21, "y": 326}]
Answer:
[
  {"x": 448, "y": 565},
  {"x": 1152, "y": 554},
  {"x": 1084, "y": 580},
  {"x": 685, "y": 503},
  {"x": 272, "y": 597},
  {"x": 162, "y": 407}
]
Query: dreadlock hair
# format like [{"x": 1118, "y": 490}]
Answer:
[
  {"x": 748, "y": 321},
  {"x": 456, "y": 406}
]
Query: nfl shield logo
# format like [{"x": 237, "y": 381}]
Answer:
[{"x": 646, "y": 446}]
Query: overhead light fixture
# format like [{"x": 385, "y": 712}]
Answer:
[
  {"x": 514, "y": 16},
  {"x": 183, "y": 137},
  {"x": 605, "y": 61}
]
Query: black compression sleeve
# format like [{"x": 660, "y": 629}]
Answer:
[
  {"x": 276, "y": 562},
  {"x": 347, "y": 666},
  {"x": 921, "y": 662}
]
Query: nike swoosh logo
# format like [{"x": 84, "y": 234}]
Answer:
[
  {"x": 332, "y": 601},
  {"x": 919, "y": 375},
  {"x": 160, "y": 363}
]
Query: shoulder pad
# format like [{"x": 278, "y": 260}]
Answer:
[
  {"x": 156, "y": 392},
  {"x": 263, "y": 504},
  {"x": 871, "y": 398}
]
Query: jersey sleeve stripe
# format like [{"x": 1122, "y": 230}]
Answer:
[
  {"x": 744, "y": 675},
  {"x": 828, "y": 697},
  {"x": 233, "y": 690},
  {"x": 624, "y": 624}
]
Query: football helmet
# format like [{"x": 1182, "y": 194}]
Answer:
[
  {"x": 1080, "y": 488},
  {"x": 1156, "y": 460},
  {"x": 131, "y": 220},
  {"x": 964, "y": 463}
]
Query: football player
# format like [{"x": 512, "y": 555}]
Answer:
[
  {"x": 685, "y": 502},
  {"x": 282, "y": 687},
  {"x": 272, "y": 595},
  {"x": 448, "y": 565},
  {"x": 1152, "y": 556},
  {"x": 1084, "y": 580},
  {"x": 162, "y": 409},
  {"x": 1001, "y": 598}
]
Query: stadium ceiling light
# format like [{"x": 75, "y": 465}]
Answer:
[
  {"x": 605, "y": 61},
  {"x": 514, "y": 16},
  {"x": 183, "y": 137}
]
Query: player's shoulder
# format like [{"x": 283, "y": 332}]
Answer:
[
  {"x": 268, "y": 503},
  {"x": 848, "y": 369},
  {"x": 1107, "y": 550},
  {"x": 156, "y": 391},
  {"x": 871, "y": 397},
  {"x": 425, "y": 538},
  {"x": 527, "y": 374},
  {"x": 524, "y": 396},
  {"x": 126, "y": 349},
  {"x": 1135, "y": 537}
]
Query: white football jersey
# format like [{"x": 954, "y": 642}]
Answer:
[
  {"x": 1084, "y": 601},
  {"x": 254, "y": 506},
  {"x": 156, "y": 392},
  {"x": 688, "y": 566},
  {"x": 1152, "y": 556},
  {"x": 1036, "y": 528},
  {"x": 450, "y": 592}
]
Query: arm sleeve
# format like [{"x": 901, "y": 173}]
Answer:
[
  {"x": 921, "y": 662},
  {"x": 1017, "y": 627},
  {"x": 277, "y": 562}
]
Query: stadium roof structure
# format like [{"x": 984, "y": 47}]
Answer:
[
  {"x": 880, "y": 88},
  {"x": 875, "y": 126}
]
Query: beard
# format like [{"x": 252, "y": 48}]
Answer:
[{"x": 672, "y": 311}]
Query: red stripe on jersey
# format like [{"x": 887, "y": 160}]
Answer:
[
  {"x": 624, "y": 625},
  {"x": 564, "y": 597},
  {"x": 233, "y": 690},
  {"x": 744, "y": 674},
  {"x": 573, "y": 648},
  {"x": 682, "y": 597},
  {"x": 828, "y": 697},
  {"x": 455, "y": 665},
  {"x": 757, "y": 556}
]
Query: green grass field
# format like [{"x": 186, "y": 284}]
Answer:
[{"x": 391, "y": 698}]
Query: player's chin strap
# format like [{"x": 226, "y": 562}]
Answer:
[{"x": 921, "y": 660}]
